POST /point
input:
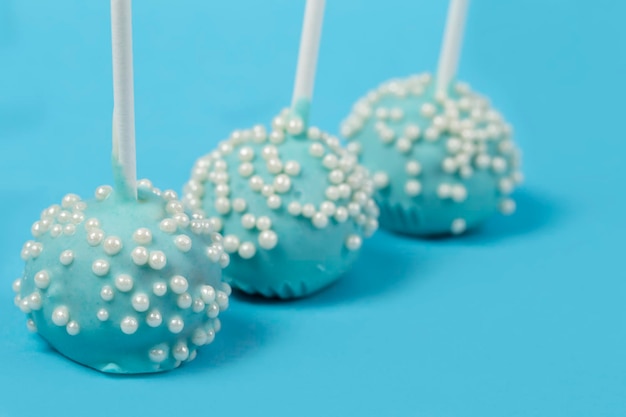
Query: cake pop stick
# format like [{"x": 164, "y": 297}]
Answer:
[
  {"x": 126, "y": 282},
  {"x": 124, "y": 159},
  {"x": 292, "y": 204},
  {"x": 452, "y": 43},
  {"x": 307, "y": 59}
]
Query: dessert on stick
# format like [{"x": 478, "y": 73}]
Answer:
[
  {"x": 293, "y": 206},
  {"x": 442, "y": 159},
  {"x": 125, "y": 282}
]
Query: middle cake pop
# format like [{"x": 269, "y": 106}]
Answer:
[{"x": 293, "y": 206}]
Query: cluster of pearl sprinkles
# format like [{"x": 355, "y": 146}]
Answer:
[
  {"x": 347, "y": 196},
  {"x": 65, "y": 219},
  {"x": 476, "y": 138}
]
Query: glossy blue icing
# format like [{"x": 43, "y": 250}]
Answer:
[
  {"x": 427, "y": 213},
  {"x": 77, "y": 286},
  {"x": 306, "y": 258}
]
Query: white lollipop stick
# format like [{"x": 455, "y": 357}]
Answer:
[
  {"x": 309, "y": 48},
  {"x": 452, "y": 40},
  {"x": 123, "y": 94}
]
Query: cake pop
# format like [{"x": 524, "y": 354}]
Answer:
[
  {"x": 442, "y": 159},
  {"x": 293, "y": 206},
  {"x": 126, "y": 282}
]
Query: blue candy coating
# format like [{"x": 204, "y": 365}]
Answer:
[
  {"x": 441, "y": 164},
  {"x": 309, "y": 253},
  {"x": 82, "y": 301}
]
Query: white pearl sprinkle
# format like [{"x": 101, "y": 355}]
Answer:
[
  {"x": 72, "y": 328},
  {"x": 354, "y": 242},
  {"x": 248, "y": 221},
  {"x": 282, "y": 183},
  {"x": 316, "y": 150},
  {"x": 124, "y": 282},
  {"x": 308, "y": 210},
  {"x": 403, "y": 145},
  {"x": 42, "y": 280},
  {"x": 184, "y": 301},
  {"x": 141, "y": 302},
  {"x": 413, "y": 168},
  {"x": 413, "y": 188},
  {"x": 459, "y": 193},
  {"x": 176, "y": 324},
  {"x": 154, "y": 318},
  {"x": 100, "y": 267},
  {"x": 103, "y": 314},
  {"x": 207, "y": 293},
  {"x": 381, "y": 179},
  {"x": 168, "y": 226},
  {"x": 67, "y": 257},
  {"x": 158, "y": 355},
  {"x": 292, "y": 168},
  {"x": 179, "y": 284},
  {"x": 129, "y": 325},
  {"x": 320, "y": 220},
  {"x": 341, "y": 215},
  {"x": 183, "y": 243},
  {"x": 159, "y": 288},
  {"x": 17, "y": 284},
  {"x": 246, "y": 154},
  {"x": 444, "y": 191},
  {"x": 458, "y": 226},
  {"x": 268, "y": 239},
  {"x": 256, "y": 183},
  {"x": 140, "y": 255},
  {"x": 222, "y": 205},
  {"x": 157, "y": 260},
  {"x": 106, "y": 293},
  {"x": 181, "y": 351},
  {"x": 103, "y": 192},
  {"x": 231, "y": 243},
  {"x": 274, "y": 202},
  {"x": 507, "y": 206},
  {"x": 246, "y": 169},
  {"x": 112, "y": 245},
  {"x": 294, "y": 208},
  {"x": 60, "y": 316},
  {"x": 247, "y": 250},
  {"x": 143, "y": 236},
  {"x": 263, "y": 223}
]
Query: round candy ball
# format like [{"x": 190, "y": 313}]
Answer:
[
  {"x": 123, "y": 285},
  {"x": 293, "y": 207},
  {"x": 441, "y": 164}
]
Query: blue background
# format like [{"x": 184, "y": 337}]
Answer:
[{"x": 525, "y": 317}]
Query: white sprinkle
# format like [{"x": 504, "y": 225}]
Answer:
[
  {"x": 239, "y": 205},
  {"x": 507, "y": 206},
  {"x": 316, "y": 150},
  {"x": 179, "y": 284},
  {"x": 103, "y": 314},
  {"x": 354, "y": 242},
  {"x": 459, "y": 193},
  {"x": 412, "y": 188},
  {"x": 112, "y": 245},
  {"x": 176, "y": 324},
  {"x": 103, "y": 192},
  {"x": 168, "y": 226},
  {"x": 158, "y": 355},
  {"x": 207, "y": 293},
  {"x": 292, "y": 168},
  {"x": 181, "y": 351},
  {"x": 143, "y": 236},
  {"x": 60, "y": 316},
  {"x": 294, "y": 208},
  {"x": 268, "y": 239},
  {"x": 248, "y": 221},
  {"x": 106, "y": 293},
  {"x": 42, "y": 280},
  {"x": 140, "y": 255},
  {"x": 381, "y": 180},
  {"x": 154, "y": 318},
  {"x": 141, "y": 302},
  {"x": 458, "y": 226},
  {"x": 129, "y": 325},
  {"x": 184, "y": 301},
  {"x": 320, "y": 220},
  {"x": 157, "y": 260},
  {"x": 159, "y": 288},
  {"x": 247, "y": 250},
  {"x": 72, "y": 328},
  {"x": 308, "y": 210},
  {"x": 100, "y": 267},
  {"x": 274, "y": 202},
  {"x": 183, "y": 243},
  {"x": 231, "y": 243},
  {"x": 124, "y": 282}
]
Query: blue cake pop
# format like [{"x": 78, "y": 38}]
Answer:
[
  {"x": 123, "y": 285},
  {"x": 293, "y": 206},
  {"x": 441, "y": 163},
  {"x": 127, "y": 282}
]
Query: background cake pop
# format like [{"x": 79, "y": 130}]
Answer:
[
  {"x": 125, "y": 282},
  {"x": 293, "y": 206},
  {"x": 442, "y": 159}
]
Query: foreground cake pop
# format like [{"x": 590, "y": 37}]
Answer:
[
  {"x": 125, "y": 282},
  {"x": 293, "y": 206},
  {"x": 442, "y": 159}
]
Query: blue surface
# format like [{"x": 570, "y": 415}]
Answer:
[{"x": 524, "y": 318}]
